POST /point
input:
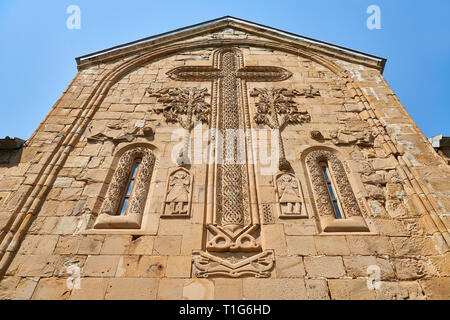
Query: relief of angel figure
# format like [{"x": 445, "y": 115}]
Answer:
[
  {"x": 178, "y": 193},
  {"x": 289, "y": 195}
]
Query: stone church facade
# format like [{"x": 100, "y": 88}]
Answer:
[{"x": 103, "y": 202}]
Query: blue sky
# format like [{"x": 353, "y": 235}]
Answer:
[{"x": 37, "y": 50}]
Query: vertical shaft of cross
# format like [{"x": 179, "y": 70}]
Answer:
[{"x": 230, "y": 116}]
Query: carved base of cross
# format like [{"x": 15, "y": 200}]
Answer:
[
  {"x": 226, "y": 241},
  {"x": 206, "y": 265}
]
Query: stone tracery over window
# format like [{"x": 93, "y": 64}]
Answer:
[
  {"x": 335, "y": 200},
  {"x": 127, "y": 193}
]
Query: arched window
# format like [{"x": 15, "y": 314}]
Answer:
[
  {"x": 127, "y": 193},
  {"x": 331, "y": 189},
  {"x": 130, "y": 188},
  {"x": 335, "y": 201}
]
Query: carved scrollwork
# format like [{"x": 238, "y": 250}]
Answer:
[
  {"x": 258, "y": 266},
  {"x": 120, "y": 180},
  {"x": 321, "y": 195},
  {"x": 240, "y": 240}
]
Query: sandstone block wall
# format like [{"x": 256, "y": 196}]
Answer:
[{"x": 51, "y": 228}]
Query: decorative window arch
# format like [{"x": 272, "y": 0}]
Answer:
[
  {"x": 335, "y": 201},
  {"x": 125, "y": 199}
]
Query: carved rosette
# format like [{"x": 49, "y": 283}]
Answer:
[
  {"x": 322, "y": 199},
  {"x": 120, "y": 180}
]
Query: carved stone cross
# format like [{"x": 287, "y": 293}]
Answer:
[{"x": 232, "y": 192}]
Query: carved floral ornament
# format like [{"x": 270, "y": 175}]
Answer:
[
  {"x": 182, "y": 106},
  {"x": 276, "y": 108},
  {"x": 117, "y": 187}
]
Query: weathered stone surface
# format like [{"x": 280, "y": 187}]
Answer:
[
  {"x": 25, "y": 289},
  {"x": 228, "y": 289},
  {"x": 369, "y": 245},
  {"x": 350, "y": 290},
  {"x": 142, "y": 245},
  {"x": 301, "y": 245},
  {"x": 132, "y": 289},
  {"x": 179, "y": 267},
  {"x": 437, "y": 288},
  {"x": 407, "y": 246},
  {"x": 170, "y": 289},
  {"x": 167, "y": 245},
  {"x": 327, "y": 267},
  {"x": 331, "y": 245},
  {"x": 273, "y": 238},
  {"x": 91, "y": 244},
  {"x": 357, "y": 266},
  {"x": 290, "y": 267},
  {"x": 442, "y": 264},
  {"x": 141, "y": 266},
  {"x": 399, "y": 291},
  {"x": 198, "y": 289},
  {"x": 101, "y": 266},
  {"x": 8, "y": 287},
  {"x": 317, "y": 289},
  {"x": 51, "y": 289},
  {"x": 116, "y": 244},
  {"x": 90, "y": 289},
  {"x": 275, "y": 289},
  {"x": 36, "y": 266},
  {"x": 411, "y": 269}
]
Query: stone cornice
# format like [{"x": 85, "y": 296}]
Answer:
[{"x": 275, "y": 36}]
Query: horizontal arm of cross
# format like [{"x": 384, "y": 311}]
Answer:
[
  {"x": 194, "y": 73},
  {"x": 263, "y": 74}
]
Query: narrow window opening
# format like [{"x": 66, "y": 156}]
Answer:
[
  {"x": 331, "y": 190},
  {"x": 130, "y": 188}
]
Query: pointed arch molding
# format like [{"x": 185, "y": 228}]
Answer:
[{"x": 353, "y": 221}]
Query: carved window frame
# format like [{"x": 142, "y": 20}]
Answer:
[
  {"x": 352, "y": 218},
  {"x": 109, "y": 217}
]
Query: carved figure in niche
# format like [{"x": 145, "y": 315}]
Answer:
[
  {"x": 178, "y": 194},
  {"x": 289, "y": 197}
]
